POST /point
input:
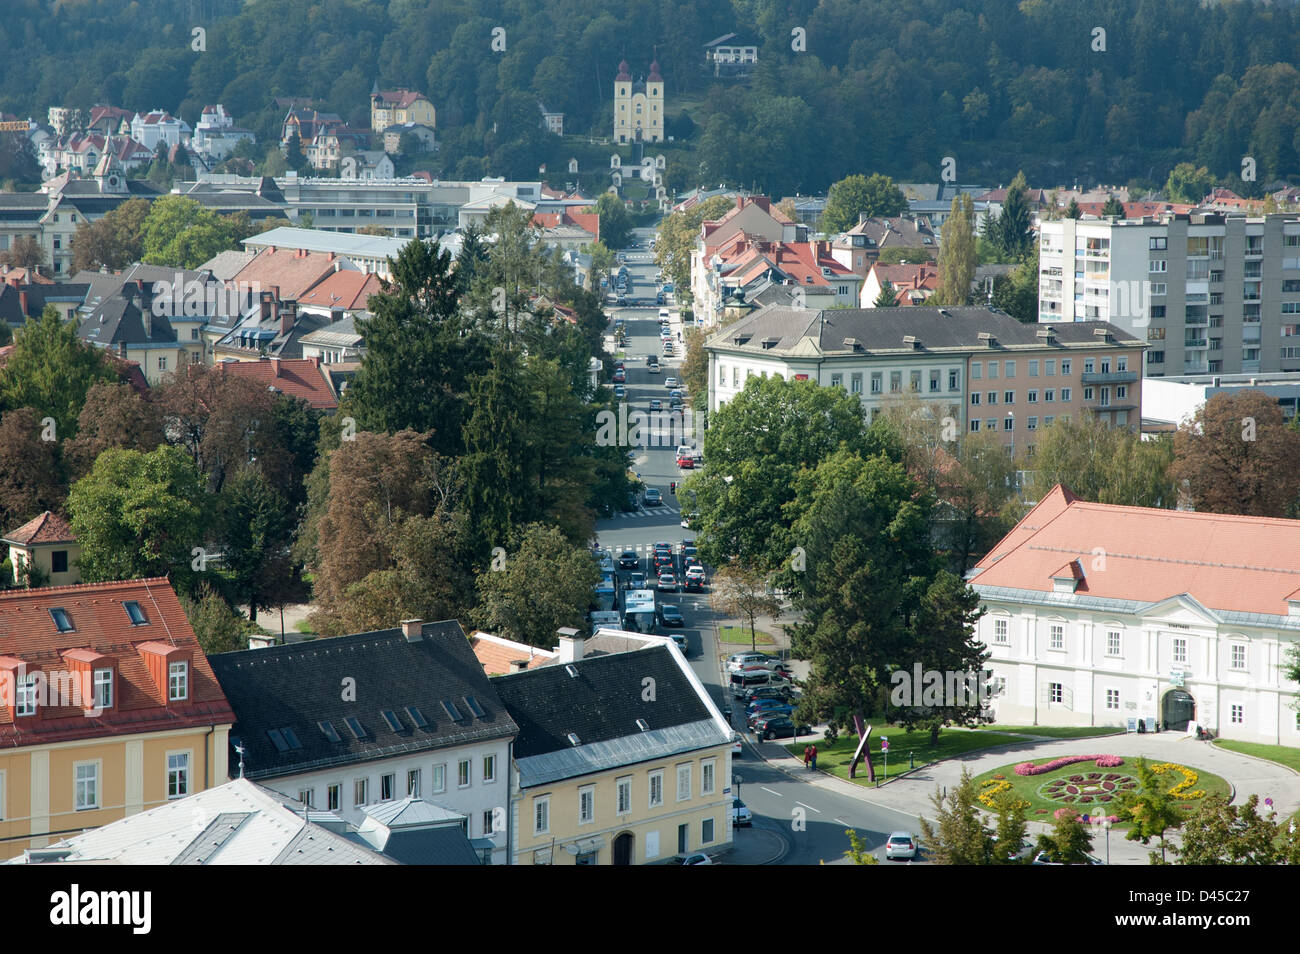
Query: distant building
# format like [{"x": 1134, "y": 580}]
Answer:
[
  {"x": 216, "y": 135},
  {"x": 552, "y": 121},
  {"x": 47, "y": 543},
  {"x": 149, "y": 129},
  {"x": 638, "y": 106},
  {"x": 421, "y": 134},
  {"x": 731, "y": 55},
  {"x": 397, "y": 106}
]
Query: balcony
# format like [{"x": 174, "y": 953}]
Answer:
[
  {"x": 1193, "y": 343},
  {"x": 1111, "y": 377}
]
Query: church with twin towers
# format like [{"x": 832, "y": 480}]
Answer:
[{"x": 638, "y": 105}]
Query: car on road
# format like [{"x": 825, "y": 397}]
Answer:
[
  {"x": 685, "y": 461},
  {"x": 781, "y": 692},
  {"x": 901, "y": 844},
  {"x": 689, "y": 551},
  {"x": 698, "y": 858},
  {"x": 740, "y": 815},
  {"x": 670, "y": 383},
  {"x": 620, "y": 391},
  {"x": 754, "y": 718},
  {"x": 671, "y": 615},
  {"x": 679, "y": 639},
  {"x": 636, "y": 581},
  {"x": 738, "y": 661},
  {"x": 656, "y": 405},
  {"x": 665, "y": 334},
  {"x": 652, "y": 365},
  {"x": 695, "y": 580},
  {"x": 1042, "y": 859},
  {"x": 778, "y": 727},
  {"x": 620, "y": 376},
  {"x": 653, "y": 497},
  {"x": 628, "y": 560},
  {"x": 663, "y": 312},
  {"x": 667, "y": 583},
  {"x": 772, "y": 706},
  {"x": 737, "y": 740}
]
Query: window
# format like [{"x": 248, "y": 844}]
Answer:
[
  {"x": 162, "y": 363},
  {"x": 59, "y": 561},
  {"x": 307, "y": 796},
  {"x": 1008, "y": 397},
  {"x": 1159, "y": 288},
  {"x": 837, "y": 380},
  {"x": 1056, "y": 637},
  {"x": 1056, "y": 692},
  {"x": 1047, "y": 421},
  {"x": 895, "y": 382},
  {"x": 1113, "y": 642},
  {"x": 387, "y": 786},
  {"x": 683, "y": 782},
  {"x": 934, "y": 381},
  {"x": 438, "y": 782},
  {"x": 991, "y": 397},
  {"x": 1032, "y": 423},
  {"x": 1050, "y": 367},
  {"x": 1033, "y": 369},
  {"x": 333, "y": 797},
  {"x": 1155, "y": 357},
  {"x": 1008, "y": 423},
  {"x": 915, "y": 382},
  {"x": 1158, "y": 266},
  {"x": 990, "y": 424},
  {"x": 1066, "y": 364},
  {"x": 623, "y": 795},
  {"x": 876, "y": 380},
  {"x": 413, "y": 780},
  {"x": 954, "y": 380},
  {"x": 1010, "y": 369},
  {"x": 462, "y": 774},
  {"x": 1087, "y": 394},
  {"x": 1112, "y": 698},
  {"x": 1121, "y": 391},
  {"x": 1238, "y": 655},
  {"x": 542, "y": 815},
  {"x": 103, "y": 681},
  {"x": 974, "y": 425},
  {"x": 656, "y": 788},
  {"x": 706, "y": 831},
  {"x": 489, "y": 823},
  {"x": 62, "y": 622},
  {"x": 1049, "y": 396},
  {"x": 178, "y": 681},
  {"x": 586, "y": 805},
  {"x": 178, "y": 774},
  {"x": 1000, "y": 631},
  {"x": 1032, "y": 397},
  {"x": 1121, "y": 363},
  {"x": 1238, "y": 714},
  {"x": 87, "y": 785},
  {"x": 855, "y": 383},
  {"x": 360, "y": 791},
  {"x": 489, "y": 768},
  {"x": 706, "y": 777},
  {"x": 975, "y": 398},
  {"x": 1088, "y": 365},
  {"x": 976, "y": 370},
  {"x": 1158, "y": 244},
  {"x": 1180, "y": 649},
  {"x": 1065, "y": 393}
]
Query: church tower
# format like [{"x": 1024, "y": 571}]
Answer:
[{"x": 638, "y": 106}]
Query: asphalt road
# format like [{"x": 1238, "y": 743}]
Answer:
[{"x": 810, "y": 819}]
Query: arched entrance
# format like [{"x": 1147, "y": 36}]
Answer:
[
  {"x": 623, "y": 848},
  {"x": 1177, "y": 709}
]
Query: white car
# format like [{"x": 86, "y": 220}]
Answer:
[
  {"x": 738, "y": 661},
  {"x": 663, "y": 315},
  {"x": 740, "y": 815},
  {"x": 737, "y": 744},
  {"x": 901, "y": 844},
  {"x": 699, "y": 858}
]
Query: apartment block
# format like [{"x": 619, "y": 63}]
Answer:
[{"x": 1210, "y": 292}]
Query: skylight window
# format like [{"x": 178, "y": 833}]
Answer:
[
  {"x": 643, "y": 725},
  {"x": 417, "y": 717},
  {"x": 475, "y": 708},
  {"x": 331, "y": 733},
  {"x": 291, "y": 738},
  {"x": 61, "y": 620},
  {"x": 135, "y": 613},
  {"x": 394, "y": 723},
  {"x": 278, "y": 740},
  {"x": 357, "y": 729},
  {"x": 573, "y": 739},
  {"x": 452, "y": 712}
]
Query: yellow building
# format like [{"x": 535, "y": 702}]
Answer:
[
  {"x": 397, "y": 106},
  {"x": 46, "y": 543},
  {"x": 638, "y": 106},
  {"x": 621, "y": 758},
  {"x": 108, "y": 707}
]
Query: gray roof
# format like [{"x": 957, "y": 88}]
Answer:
[
  {"x": 792, "y": 332},
  {"x": 318, "y": 240},
  {"x": 226, "y": 265}
]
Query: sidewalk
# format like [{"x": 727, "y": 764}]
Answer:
[{"x": 911, "y": 794}]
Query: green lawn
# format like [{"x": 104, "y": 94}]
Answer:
[
  {"x": 835, "y": 757},
  {"x": 302, "y": 626},
  {"x": 1281, "y": 754},
  {"x": 1041, "y": 807},
  {"x": 739, "y": 635},
  {"x": 1055, "y": 731}
]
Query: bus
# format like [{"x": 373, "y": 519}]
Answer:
[{"x": 639, "y": 611}]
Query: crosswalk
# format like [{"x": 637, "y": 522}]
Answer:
[{"x": 642, "y": 512}]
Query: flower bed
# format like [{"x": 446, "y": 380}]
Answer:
[
  {"x": 1103, "y": 761},
  {"x": 993, "y": 788},
  {"x": 1190, "y": 778}
]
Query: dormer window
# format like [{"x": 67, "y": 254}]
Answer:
[
  {"x": 26, "y": 695},
  {"x": 135, "y": 613},
  {"x": 178, "y": 681},
  {"x": 103, "y": 685},
  {"x": 61, "y": 620}
]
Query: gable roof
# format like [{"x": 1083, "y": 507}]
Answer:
[
  {"x": 101, "y": 625},
  {"x": 238, "y": 823},
  {"x": 300, "y": 378},
  {"x": 600, "y": 706},
  {"x": 47, "y": 528},
  {"x": 348, "y": 290},
  {"x": 293, "y": 271},
  {"x": 1243, "y": 565},
  {"x": 297, "y": 687},
  {"x": 496, "y": 653}
]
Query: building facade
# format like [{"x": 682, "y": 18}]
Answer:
[{"x": 638, "y": 106}]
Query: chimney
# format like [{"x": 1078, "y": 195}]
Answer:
[
  {"x": 518, "y": 665},
  {"x": 571, "y": 644},
  {"x": 275, "y": 367},
  {"x": 265, "y": 305},
  {"x": 288, "y": 315},
  {"x": 413, "y": 630},
  {"x": 22, "y": 302}
]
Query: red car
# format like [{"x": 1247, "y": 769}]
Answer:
[
  {"x": 685, "y": 461},
  {"x": 620, "y": 377}
]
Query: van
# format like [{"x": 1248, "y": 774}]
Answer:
[{"x": 742, "y": 682}]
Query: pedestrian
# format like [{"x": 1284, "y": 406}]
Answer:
[
  {"x": 813, "y": 752},
  {"x": 807, "y": 755}
]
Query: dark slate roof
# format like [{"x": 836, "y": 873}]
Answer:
[
  {"x": 11, "y": 311},
  {"x": 431, "y": 846},
  {"x": 119, "y": 321},
  {"x": 883, "y": 330},
  {"x": 299, "y": 685},
  {"x": 601, "y": 704}
]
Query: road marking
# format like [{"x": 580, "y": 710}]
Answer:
[
  {"x": 770, "y": 792},
  {"x": 840, "y": 821},
  {"x": 810, "y": 808}
]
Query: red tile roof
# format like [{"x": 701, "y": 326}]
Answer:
[
  {"x": 399, "y": 98},
  {"x": 301, "y": 378},
  {"x": 47, "y": 528},
  {"x": 344, "y": 289},
  {"x": 293, "y": 272},
  {"x": 102, "y": 627},
  {"x": 587, "y": 221},
  {"x": 497, "y": 653},
  {"x": 1241, "y": 564}
]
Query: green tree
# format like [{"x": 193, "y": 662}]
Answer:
[
  {"x": 30, "y": 470},
  {"x": 24, "y": 252},
  {"x": 887, "y": 298},
  {"x": 1104, "y": 464},
  {"x": 1112, "y": 207},
  {"x": 546, "y": 583},
  {"x": 255, "y": 526},
  {"x": 857, "y": 195},
  {"x": 1148, "y": 809},
  {"x": 1017, "y": 293},
  {"x": 1187, "y": 183},
  {"x": 1072, "y": 211},
  {"x": 1222, "y": 834},
  {"x": 1069, "y": 842},
  {"x": 182, "y": 233},
  {"x": 956, "y": 255},
  {"x": 1012, "y": 229},
  {"x": 615, "y": 222},
  {"x": 139, "y": 515},
  {"x": 857, "y": 852},
  {"x": 113, "y": 242},
  {"x": 218, "y": 627},
  {"x": 294, "y": 157},
  {"x": 900, "y": 255},
  {"x": 695, "y": 366},
  {"x": 1009, "y": 835},
  {"x": 959, "y": 836},
  {"x": 743, "y": 593},
  {"x": 51, "y": 370}
]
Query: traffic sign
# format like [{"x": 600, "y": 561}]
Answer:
[{"x": 884, "y": 744}]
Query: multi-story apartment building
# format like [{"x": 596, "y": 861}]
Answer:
[
  {"x": 1211, "y": 292},
  {"x": 1107, "y": 615},
  {"x": 988, "y": 370},
  {"x": 108, "y": 707}
]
